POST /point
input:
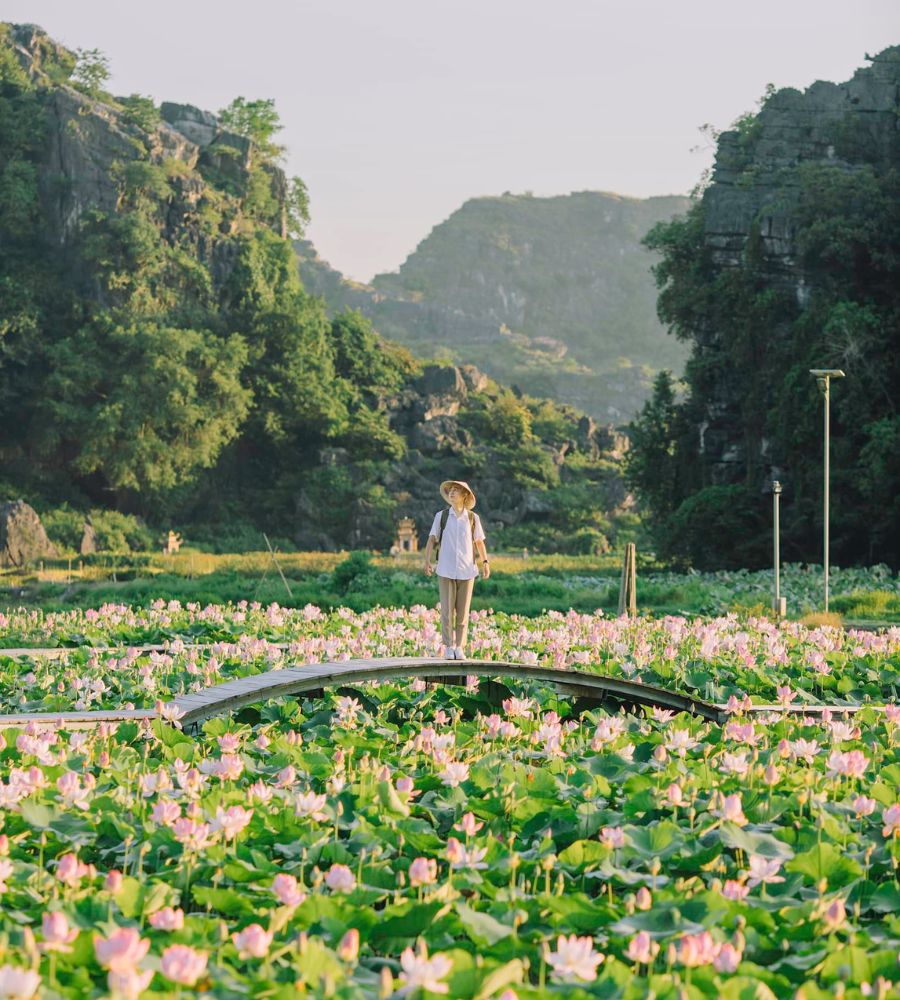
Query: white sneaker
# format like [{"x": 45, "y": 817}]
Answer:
[
  {"x": 460, "y": 653},
  {"x": 449, "y": 652}
]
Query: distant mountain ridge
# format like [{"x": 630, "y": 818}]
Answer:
[{"x": 553, "y": 294}]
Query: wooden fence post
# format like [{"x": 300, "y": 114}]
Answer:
[{"x": 628, "y": 586}]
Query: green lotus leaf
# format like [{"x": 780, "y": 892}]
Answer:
[
  {"x": 744, "y": 988},
  {"x": 497, "y": 980},
  {"x": 406, "y": 921},
  {"x": 754, "y": 842},
  {"x": 583, "y": 853},
  {"x": 824, "y": 861},
  {"x": 481, "y": 927},
  {"x": 390, "y": 801},
  {"x": 658, "y": 840},
  {"x": 231, "y": 902}
]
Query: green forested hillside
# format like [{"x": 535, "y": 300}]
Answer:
[
  {"x": 160, "y": 357},
  {"x": 553, "y": 294},
  {"x": 789, "y": 262}
]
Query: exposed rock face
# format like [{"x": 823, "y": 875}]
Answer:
[
  {"x": 844, "y": 125},
  {"x": 553, "y": 294},
  {"x": 23, "y": 540},
  {"x": 88, "y": 142}
]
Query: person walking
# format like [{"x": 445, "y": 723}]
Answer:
[{"x": 457, "y": 534}]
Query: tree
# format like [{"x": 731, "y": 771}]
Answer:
[
  {"x": 91, "y": 71},
  {"x": 143, "y": 406},
  {"x": 255, "y": 120}
]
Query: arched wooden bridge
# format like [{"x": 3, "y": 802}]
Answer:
[
  {"x": 236, "y": 694},
  {"x": 589, "y": 689}
]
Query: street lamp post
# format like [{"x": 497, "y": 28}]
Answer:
[
  {"x": 779, "y": 605},
  {"x": 823, "y": 377}
]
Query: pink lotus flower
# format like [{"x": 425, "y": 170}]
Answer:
[
  {"x": 731, "y": 810},
  {"x": 406, "y": 786},
  {"x": 18, "y": 984},
  {"x": 128, "y": 984},
  {"x": 311, "y": 805},
  {"x": 851, "y": 764},
  {"x": 229, "y": 742},
  {"x": 763, "y": 870},
  {"x": 253, "y": 941},
  {"x": 71, "y": 871},
  {"x": 771, "y": 775},
  {"x": 612, "y": 837},
  {"x": 423, "y": 871},
  {"x": 674, "y": 795},
  {"x": 57, "y": 934},
  {"x": 231, "y": 821},
  {"x": 735, "y": 890},
  {"x": 348, "y": 949},
  {"x": 835, "y": 915},
  {"x": 785, "y": 695},
  {"x": 864, "y": 806},
  {"x": 891, "y": 820},
  {"x": 679, "y": 742},
  {"x": 165, "y": 812},
  {"x": 183, "y": 964},
  {"x": 454, "y": 773},
  {"x": 423, "y": 973},
  {"x": 643, "y": 900},
  {"x": 72, "y": 791},
  {"x": 340, "y": 879},
  {"x": 122, "y": 950},
  {"x": 288, "y": 891},
  {"x": 167, "y": 919},
  {"x": 286, "y": 777},
  {"x": 518, "y": 708},
  {"x": 642, "y": 949},
  {"x": 192, "y": 835},
  {"x": 575, "y": 959},
  {"x": 727, "y": 958},
  {"x": 468, "y": 825},
  {"x": 697, "y": 949},
  {"x": 113, "y": 881}
]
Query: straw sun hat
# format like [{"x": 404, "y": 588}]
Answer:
[{"x": 445, "y": 488}]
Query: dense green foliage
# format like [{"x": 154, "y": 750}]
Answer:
[
  {"x": 160, "y": 357},
  {"x": 753, "y": 342}
]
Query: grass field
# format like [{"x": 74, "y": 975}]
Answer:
[{"x": 360, "y": 581}]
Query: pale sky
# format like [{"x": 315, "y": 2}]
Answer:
[{"x": 397, "y": 111}]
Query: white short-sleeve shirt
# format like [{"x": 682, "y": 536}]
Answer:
[{"x": 457, "y": 556}]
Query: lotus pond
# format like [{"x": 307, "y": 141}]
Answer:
[{"x": 404, "y": 839}]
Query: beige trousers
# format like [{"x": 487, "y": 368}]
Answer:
[{"x": 456, "y": 596}]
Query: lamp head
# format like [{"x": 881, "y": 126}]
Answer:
[
  {"x": 776, "y": 486},
  {"x": 826, "y": 372}
]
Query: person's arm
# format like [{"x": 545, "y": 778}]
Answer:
[
  {"x": 429, "y": 548},
  {"x": 483, "y": 558}
]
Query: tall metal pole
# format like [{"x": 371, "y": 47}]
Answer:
[
  {"x": 826, "y": 391},
  {"x": 776, "y": 546},
  {"x": 823, "y": 379}
]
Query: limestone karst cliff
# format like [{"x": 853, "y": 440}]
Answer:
[{"x": 787, "y": 263}]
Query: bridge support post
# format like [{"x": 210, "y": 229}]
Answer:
[{"x": 628, "y": 586}]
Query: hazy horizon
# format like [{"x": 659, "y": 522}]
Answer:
[{"x": 396, "y": 114}]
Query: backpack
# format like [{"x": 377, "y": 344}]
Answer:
[{"x": 445, "y": 513}]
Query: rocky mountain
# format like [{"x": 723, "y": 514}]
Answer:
[
  {"x": 788, "y": 263},
  {"x": 160, "y": 358},
  {"x": 554, "y": 295}
]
